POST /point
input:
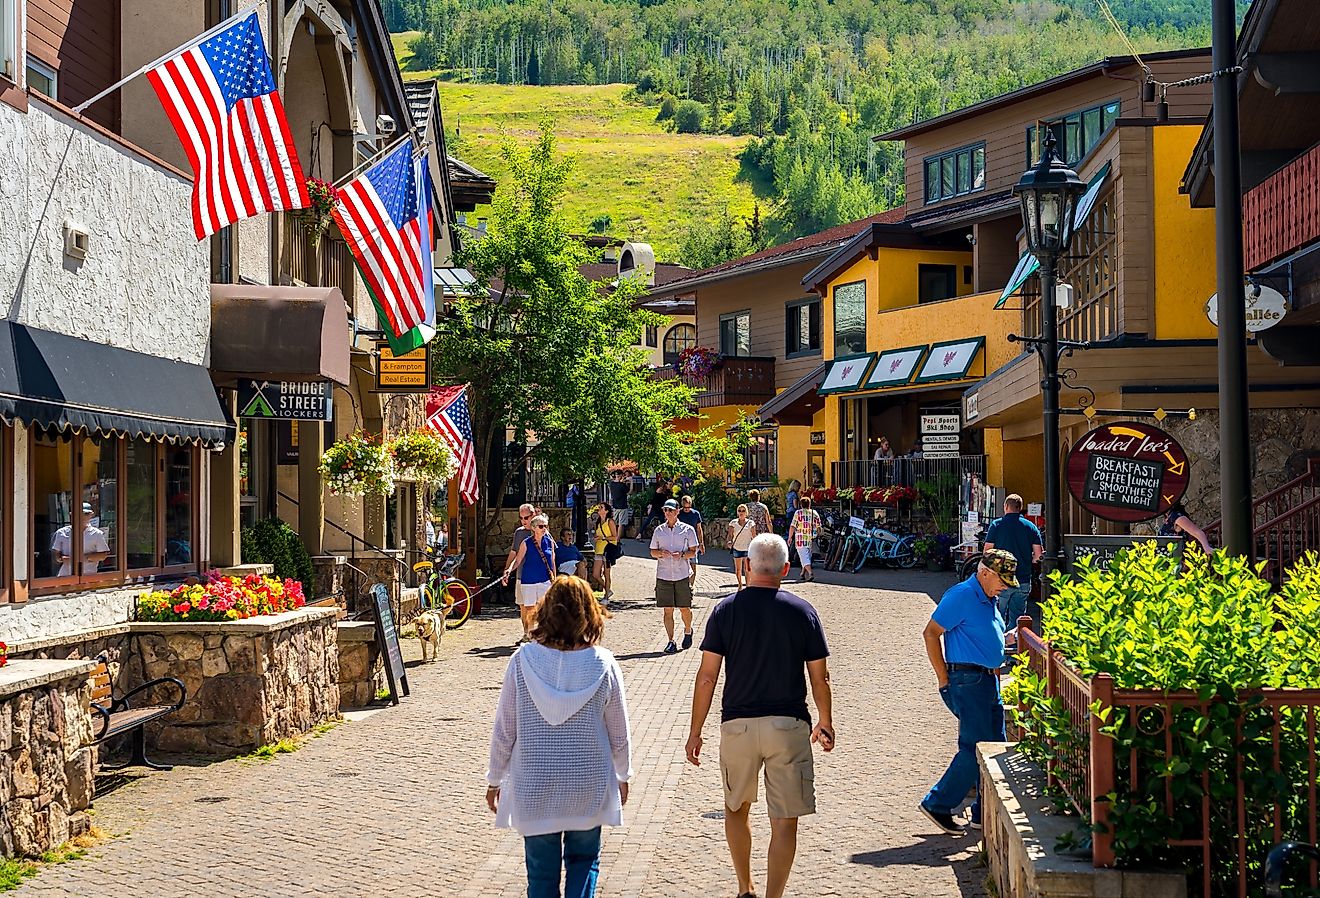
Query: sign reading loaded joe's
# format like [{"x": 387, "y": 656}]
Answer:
[{"x": 1127, "y": 471}]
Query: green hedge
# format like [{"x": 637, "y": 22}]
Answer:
[{"x": 275, "y": 543}]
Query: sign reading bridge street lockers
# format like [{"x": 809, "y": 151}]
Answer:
[
  {"x": 1127, "y": 471},
  {"x": 285, "y": 400}
]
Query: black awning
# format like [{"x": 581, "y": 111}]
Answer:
[{"x": 54, "y": 380}]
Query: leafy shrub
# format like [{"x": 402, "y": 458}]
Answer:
[
  {"x": 425, "y": 53},
  {"x": 275, "y": 543},
  {"x": 1212, "y": 628},
  {"x": 668, "y": 106},
  {"x": 712, "y": 499},
  {"x": 689, "y": 117}
]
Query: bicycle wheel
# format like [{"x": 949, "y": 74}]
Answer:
[
  {"x": 905, "y": 555},
  {"x": 863, "y": 553},
  {"x": 850, "y": 550},
  {"x": 458, "y": 597},
  {"x": 969, "y": 567}
]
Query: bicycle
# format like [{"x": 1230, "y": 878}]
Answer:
[
  {"x": 887, "y": 547},
  {"x": 441, "y": 589}
]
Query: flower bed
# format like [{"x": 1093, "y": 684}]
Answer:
[
  {"x": 890, "y": 496},
  {"x": 220, "y": 598}
]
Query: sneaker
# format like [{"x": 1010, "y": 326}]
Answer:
[
  {"x": 671, "y": 649},
  {"x": 974, "y": 824},
  {"x": 943, "y": 819},
  {"x": 687, "y": 640}
]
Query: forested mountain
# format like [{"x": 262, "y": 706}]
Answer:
[{"x": 811, "y": 81}]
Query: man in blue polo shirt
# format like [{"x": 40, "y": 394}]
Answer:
[
  {"x": 966, "y": 664},
  {"x": 1022, "y": 538}
]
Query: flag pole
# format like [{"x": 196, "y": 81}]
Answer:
[
  {"x": 366, "y": 162},
  {"x": 179, "y": 49}
]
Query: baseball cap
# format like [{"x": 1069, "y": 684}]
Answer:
[
  {"x": 670, "y": 503},
  {"x": 1002, "y": 562},
  {"x": 87, "y": 508}
]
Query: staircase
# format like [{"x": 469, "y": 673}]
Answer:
[{"x": 1285, "y": 523}]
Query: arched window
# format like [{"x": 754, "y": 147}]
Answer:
[{"x": 679, "y": 338}]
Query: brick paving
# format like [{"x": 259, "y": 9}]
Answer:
[{"x": 393, "y": 804}]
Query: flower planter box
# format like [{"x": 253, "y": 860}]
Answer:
[{"x": 250, "y": 682}]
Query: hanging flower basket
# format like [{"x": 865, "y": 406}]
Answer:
[
  {"x": 698, "y": 361},
  {"x": 422, "y": 456},
  {"x": 358, "y": 465},
  {"x": 317, "y": 217}
]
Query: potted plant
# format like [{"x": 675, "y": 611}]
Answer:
[
  {"x": 316, "y": 218},
  {"x": 358, "y": 465},
  {"x": 925, "y": 548},
  {"x": 697, "y": 362},
  {"x": 422, "y": 456}
]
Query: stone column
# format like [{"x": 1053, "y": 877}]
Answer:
[
  {"x": 225, "y": 551},
  {"x": 311, "y": 495}
]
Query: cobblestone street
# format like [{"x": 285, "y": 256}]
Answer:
[{"x": 392, "y": 804}]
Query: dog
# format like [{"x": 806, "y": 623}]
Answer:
[{"x": 430, "y": 626}]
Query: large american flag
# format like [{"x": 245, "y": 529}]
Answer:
[
  {"x": 447, "y": 414},
  {"x": 385, "y": 219},
  {"x": 220, "y": 96}
]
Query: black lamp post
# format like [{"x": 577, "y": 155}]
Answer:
[{"x": 1049, "y": 195}]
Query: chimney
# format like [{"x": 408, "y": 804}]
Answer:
[{"x": 481, "y": 225}]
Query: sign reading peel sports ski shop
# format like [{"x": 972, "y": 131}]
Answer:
[{"x": 1127, "y": 471}]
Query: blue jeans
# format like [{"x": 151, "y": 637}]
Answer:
[
  {"x": 973, "y": 697},
  {"x": 1012, "y": 603},
  {"x": 577, "y": 852}
]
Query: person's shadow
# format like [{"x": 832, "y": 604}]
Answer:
[{"x": 935, "y": 851}]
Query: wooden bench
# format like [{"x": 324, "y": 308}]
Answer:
[{"x": 118, "y": 716}]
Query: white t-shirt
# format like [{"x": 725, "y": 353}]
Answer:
[{"x": 94, "y": 540}]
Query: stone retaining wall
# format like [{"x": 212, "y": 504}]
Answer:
[
  {"x": 46, "y": 754},
  {"x": 250, "y": 683},
  {"x": 361, "y": 668}
]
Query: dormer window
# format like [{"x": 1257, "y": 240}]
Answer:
[{"x": 955, "y": 173}]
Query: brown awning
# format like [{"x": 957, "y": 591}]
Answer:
[
  {"x": 799, "y": 403},
  {"x": 279, "y": 333}
]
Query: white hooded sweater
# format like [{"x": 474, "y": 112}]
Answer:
[{"x": 561, "y": 744}]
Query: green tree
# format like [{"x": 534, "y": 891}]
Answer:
[
  {"x": 689, "y": 117},
  {"x": 709, "y": 243},
  {"x": 668, "y": 106},
  {"x": 555, "y": 354},
  {"x": 533, "y": 67},
  {"x": 425, "y": 53}
]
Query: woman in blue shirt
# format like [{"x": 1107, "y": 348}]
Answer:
[
  {"x": 569, "y": 555},
  {"x": 535, "y": 563}
]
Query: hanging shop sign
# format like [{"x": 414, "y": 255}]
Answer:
[
  {"x": 1265, "y": 308},
  {"x": 407, "y": 373},
  {"x": 818, "y": 438},
  {"x": 285, "y": 400},
  {"x": 1127, "y": 471},
  {"x": 940, "y": 424},
  {"x": 846, "y": 373}
]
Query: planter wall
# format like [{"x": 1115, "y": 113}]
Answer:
[
  {"x": 361, "y": 668},
  {"x": 250, "y": 683}
]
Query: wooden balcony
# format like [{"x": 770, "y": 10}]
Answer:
[
  {"x": 328, "y": 264},
  {"x": 739, "y": 380},
  {"x": 1282, "y": 213}
]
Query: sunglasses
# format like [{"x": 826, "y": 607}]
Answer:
[
  {"x": 524, "y": 517},
  {"x": 539, "y": 527}
]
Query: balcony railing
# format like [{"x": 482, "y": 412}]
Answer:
[
  {"x": 739, "y": 380},
  {"x": 906, "y": 471},
  {"x": 327, "y": 264},
  {"x": 1282, "y": 213},
  {"x": 1092, "y": 270}
]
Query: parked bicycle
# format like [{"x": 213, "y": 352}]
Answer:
[
  {"x": 887, "y": 547},
  {"x": 967, "y": 555},
  {"x": 441, "y": 589},
  {"x": 1277, "y": 862}
]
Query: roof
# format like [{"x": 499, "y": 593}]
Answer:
[
  {"x": 799, "y": 402},
  {"x": 665, "y": 272},
  {"x": 419, "y": 95},
  {"x": 876, "y": 234},
  {"x": 1032, "y": 90},
  {"x": 803, "y": 249}
]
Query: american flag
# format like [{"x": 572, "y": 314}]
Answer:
[
  {"x": 385, "y": 220},
  {"x": 447, "y": 414},
  {"x": 220, "y": 96}
]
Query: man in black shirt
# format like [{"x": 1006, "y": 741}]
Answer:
[{"x": 767, "y": 636}]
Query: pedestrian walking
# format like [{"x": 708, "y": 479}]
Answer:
[
  {"x": 759, "y": 512},
  {"x": 765, "y": 638},
  {"x": 526, "y": 512},
  {"x": 672, "y": 546},
  {"x": 560, "y": 753},
  {"x": 965, "y": 643},
  {"x": 1021, "y": 538},
  {"x": 568, "y": 557},
  {"x": 1179, "y": 523},
  {"x": 534, "y": 564},
  {"x": 690, "y": 516},
  {"x": 791, "y": 498},
  {"x": 802, "y": 531},
  {"x": 655, "y": 511},
  {"x": 607, "y": 535},
  {"x": 739, "y": 539},
  {"x": 618, "y": 496}
]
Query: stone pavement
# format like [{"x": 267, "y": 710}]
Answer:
[{"x": 392, "y": 804}]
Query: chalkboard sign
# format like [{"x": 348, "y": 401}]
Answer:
[
  {"x": 1103, "y": 549},
  {"x": 1127, "y": 471},
  {"x": 388, "y": 636}
]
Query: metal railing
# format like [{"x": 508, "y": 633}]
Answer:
[
  {"x": 1285, "y": 523},
  {"x": 739, "y": 380},
  {"x": 1276, "y": 727},
  {"x": 904, "y": 471}
]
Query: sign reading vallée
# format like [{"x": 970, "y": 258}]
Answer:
[{"x": 1127, "y": 471}]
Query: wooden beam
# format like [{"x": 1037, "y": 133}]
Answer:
[{"x": 1288, "y": 73}]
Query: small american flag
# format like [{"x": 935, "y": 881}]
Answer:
[
  {"x": 221, "y": 98},
  {"x": 385, "y": 220},
  {"x": 447, "y": 414}
]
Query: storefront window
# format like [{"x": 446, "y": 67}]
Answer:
[
  {"x": 178, "y": 505},
  {"x": 140, "y": 505},
  {"x": 100, "y": 497},
  {"x": 52, "y": 504}
]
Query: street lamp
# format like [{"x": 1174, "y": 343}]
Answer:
[{"x": 1049, "y": 195}]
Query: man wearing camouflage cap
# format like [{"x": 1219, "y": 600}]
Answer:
[{"x": 965, "y": 642}]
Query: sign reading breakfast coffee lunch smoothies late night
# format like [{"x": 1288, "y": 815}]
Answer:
[{"x": 1127, "y": 471}]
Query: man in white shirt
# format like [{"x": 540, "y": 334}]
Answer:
[
  {"x": 673, "y": 544},
  {"x": 96, "y": 548}
]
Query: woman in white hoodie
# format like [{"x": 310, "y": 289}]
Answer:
[{"x": 561, "y": 755}]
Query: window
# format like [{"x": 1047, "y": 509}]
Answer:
[
  {"x": 736, "y": 333},
  {"x": 955, "y": 173},
  {"x": 652, "y": 336},
  {"x": 51, "y": 463},
  {"x": 1075, "y": 134},
  {"x": 41, "y": 77},
  {"x": 936, "y": 282},
  {"x": 802, "y": 328},
  {"x": 9, "y": 39},
  {"x": 140, "y": 513},
  {"x": 761, "y": 458},
  {"x": 850, "y": 318},
  {"x": 679, "y": 338}
]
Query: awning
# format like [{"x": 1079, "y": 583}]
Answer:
[
  {"x": 279, "y": 333},
  {"x": 797, "y": 404},
  {"x": 55, "y": 380},
  {"x": 895, "y": 367},
  {"x": 454, "y": 282},
  {"x": 949, "y": 360},
  {"x": 1026, "y": 267},
  {"x": 846, "y": 373}
]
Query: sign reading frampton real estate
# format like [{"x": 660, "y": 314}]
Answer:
[
  {"x": 285, "y": 400},
  {"x": 1127, "y": 471}
]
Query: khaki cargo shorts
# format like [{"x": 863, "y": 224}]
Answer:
[
  {"x": 783, "y": 746},
  {"x": 673, "y": 593}
]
